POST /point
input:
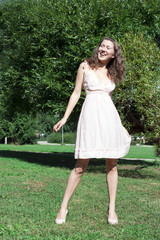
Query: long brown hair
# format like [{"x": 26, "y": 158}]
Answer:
[{"x": 115, "y": 66}]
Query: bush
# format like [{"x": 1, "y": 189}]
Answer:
[
  {"x": 69, "y": 138},
  {"x": 57, "y": 138},
  {"x": 22, "y": 129}
]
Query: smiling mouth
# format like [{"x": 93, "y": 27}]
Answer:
[{"x": 103, "y": 54}]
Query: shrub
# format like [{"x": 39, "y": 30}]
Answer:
[
  {"x": 69, "y": 138},
  {"x": 57, "y": 138},
  {"x": 22, "y": 129}
]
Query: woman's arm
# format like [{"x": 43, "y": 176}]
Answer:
[{"x": 73, "y": 98}]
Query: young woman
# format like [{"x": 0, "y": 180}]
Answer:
[{"x": 100, "y": 133}]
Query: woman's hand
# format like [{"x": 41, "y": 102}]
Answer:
[{"x": 57, "y": 127}]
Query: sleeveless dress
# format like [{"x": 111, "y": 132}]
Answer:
[{"x": 100, "y": 133}]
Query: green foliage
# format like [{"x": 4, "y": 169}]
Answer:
[
  {"x": 43, "y": 42},
  {"x": 70, "y": 138},
  {"x": 45, "y": 123},
  {"x": 57, "y": 138},
  {"x": 22, "y": 129},
  {"x": 139, "y": 94}
]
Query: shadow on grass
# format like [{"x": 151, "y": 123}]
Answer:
[
  {"x": 48, "y": 159},
  {"x": 127, "y": 168}
]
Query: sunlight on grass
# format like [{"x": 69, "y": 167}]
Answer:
[
  {"x": 146, "y": 152},
  {"x": 31, "y": 195}
]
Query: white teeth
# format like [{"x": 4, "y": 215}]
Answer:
[{"x": 103, "y": 54}]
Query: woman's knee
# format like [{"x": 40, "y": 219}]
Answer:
[
  {"x": 111, "y": 164},
  {"x": 81, "y": 166},
  {"x": 79, "y": 170}
]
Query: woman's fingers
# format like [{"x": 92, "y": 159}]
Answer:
[{"x": 57, "y": 127}]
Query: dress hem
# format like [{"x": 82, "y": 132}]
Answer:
[{"x": 102, "y": 153}]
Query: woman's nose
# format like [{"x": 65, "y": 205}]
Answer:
[{"x": 103, "y": 48}]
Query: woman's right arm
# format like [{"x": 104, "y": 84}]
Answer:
[{"x": 73, "y": 98}]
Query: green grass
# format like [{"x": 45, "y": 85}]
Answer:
[
  {"x": 145, "y": 152},
  {"x": 38, "y": 148},
  {"x": 135, "y": 151},
  {"x": 31, "y": 195}
]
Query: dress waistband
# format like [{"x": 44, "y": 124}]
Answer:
[{"x": 97, "y": 92}]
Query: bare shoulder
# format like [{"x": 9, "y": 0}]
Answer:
[{"x": 83, "y": 65}]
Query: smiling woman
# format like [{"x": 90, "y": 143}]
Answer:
[
  {"x": 100, "y": 133},
  {"x": 106, "y": 51},
  {"x": 115, "y": 62}
]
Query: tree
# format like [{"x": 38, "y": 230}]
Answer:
[
  {"x": 139, "y": 94},
  {"x": 43, "y": 42}
]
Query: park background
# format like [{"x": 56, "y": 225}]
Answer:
[{"x": 42, "y": 43}]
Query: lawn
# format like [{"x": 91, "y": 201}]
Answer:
[
  {"x": 145, "y": 152},
  {"x": 32, "y": 187}
]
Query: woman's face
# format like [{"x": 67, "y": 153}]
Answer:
[{"x": 106, "y": 51}]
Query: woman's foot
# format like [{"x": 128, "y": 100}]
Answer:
[
  {"x": 61, "y": 216},
  {"x": 112, "y": 217}
]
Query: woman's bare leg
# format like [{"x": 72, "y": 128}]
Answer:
[
  {"x": 112, "y": 180},
  {"x": 72, "y": 183}
]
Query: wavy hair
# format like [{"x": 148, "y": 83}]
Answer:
[{"x": 115, "y": 66}]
